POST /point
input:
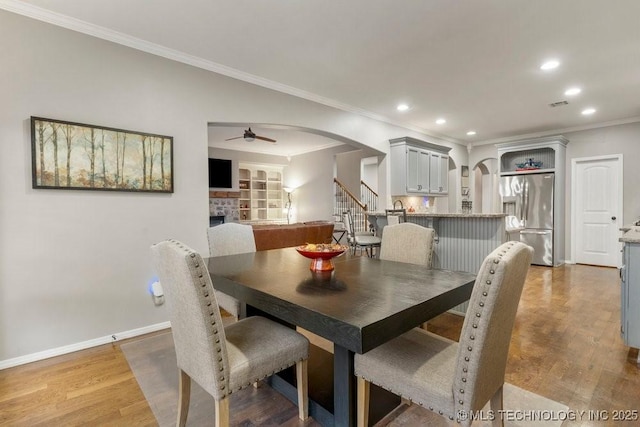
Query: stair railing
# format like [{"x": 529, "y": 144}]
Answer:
[
  {"x": 346, "y": 201},
  {"x": 368, "y": 196}
]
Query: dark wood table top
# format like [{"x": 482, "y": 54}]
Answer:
[{"x": 363, "y": 303}]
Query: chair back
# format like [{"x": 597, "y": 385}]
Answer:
[
  {"x": 395, "y": 216},
  {"x": 408, "y": 242},
  {"x": 486, "y": 331},
  {"x": 348, "y": 224},
  {"x": 195, "y": 318},
  {"x": 231, "y": 238}
]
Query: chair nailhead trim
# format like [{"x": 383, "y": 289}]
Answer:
[
  {"x": 488, "y": 282},
  {"x": 469, "y": 348},
  {"x": 484, "y": 294},
  {"x": 477, "y": 314},
  {"x": 481, "y": 304}
]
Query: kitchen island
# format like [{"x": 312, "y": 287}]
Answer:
[
  {"x": 630, "y": 289},
  {"x": 463, "y": 240}
]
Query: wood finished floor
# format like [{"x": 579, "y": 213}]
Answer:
[{"x": 566, "y": 346}]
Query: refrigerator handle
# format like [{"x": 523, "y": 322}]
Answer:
[
  {"x": 535, "y": 232},
  {"x": 525, "y": 202}
]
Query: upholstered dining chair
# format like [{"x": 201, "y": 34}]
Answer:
[
  {"x": 450, "y": 378},
  {"x": 360, "y": 240},
  {"x": 222, "y": 360},
  {"x": 230, "y": 238},
  {"x": 395, "y": 216},
  {"x": 408, "y": 242}
]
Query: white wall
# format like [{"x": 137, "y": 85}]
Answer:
[
  {"x": 369, "y": 172},
  {"x": 348, "y": 167},
  {"x": 312, "y": 174},
  {"x": 74, "y": 265}
]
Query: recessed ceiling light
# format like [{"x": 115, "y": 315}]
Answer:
[
  {"x": 588, "y": 111},
  {"x": 402, "y": 107},
  {"x": 441, "y": 121},
  {"x": 550, "y": 65},
  {"x": 471, "y": 132},
  {"x": 572, "y": 91}
]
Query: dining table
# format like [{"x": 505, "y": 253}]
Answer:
[{"x": 362, "y": 303}]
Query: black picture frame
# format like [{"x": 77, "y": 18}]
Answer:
[{"x": 77, "y": 156}]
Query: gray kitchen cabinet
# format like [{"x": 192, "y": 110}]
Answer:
[
  {"x": 438, "y": 173},
  {"x": 418, "y": 167},
  {"x": 630, "y": 295},
  {"x": 417, "y": 170}
]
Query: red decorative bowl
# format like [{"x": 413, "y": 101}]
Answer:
[{"x": 321, "y": 260}]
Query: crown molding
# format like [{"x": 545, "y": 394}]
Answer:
[
  {"x": 556, "y": 131},
  {"x": 84, "y": 27}
]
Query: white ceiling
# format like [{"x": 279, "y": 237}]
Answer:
[
  {"x": 289, "y": 142},
  {"x": 475, "y": 63}
]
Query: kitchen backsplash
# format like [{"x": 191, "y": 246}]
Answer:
[{"x": 225, "y": 206}]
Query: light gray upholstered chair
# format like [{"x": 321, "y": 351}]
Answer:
[
  {"x": 360, "y": 240},
  {"x": 230, "y": 238},
  {"x": 447, "y": 377},
  {"x": 396, "y": 216},
  {"x": 408, "y": 242},
  {"x": 221, "y": 360}
]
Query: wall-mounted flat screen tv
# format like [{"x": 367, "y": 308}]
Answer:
[{"x": 219, "y": 173}]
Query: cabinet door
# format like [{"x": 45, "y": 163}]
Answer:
[
  {"x": 624, "y": 294},
  {"x": 444, "y": 174},
  {"x": 439, "y": 173},
  {"x": 413, "y": 170},
  {"x": 424, "y": 166},
  {"x": 434, "y": 173}
]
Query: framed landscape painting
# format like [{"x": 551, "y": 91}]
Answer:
[{"x": 77, "y": 156}]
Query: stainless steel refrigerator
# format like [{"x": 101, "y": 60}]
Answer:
[{"x": 528, "y": 202}]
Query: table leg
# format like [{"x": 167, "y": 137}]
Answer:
[{"x": 344, "y": 389}]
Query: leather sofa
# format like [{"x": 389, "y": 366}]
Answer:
[{"x": 273, "y": 236}]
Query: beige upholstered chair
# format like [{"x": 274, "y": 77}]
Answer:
[
  {"x": 230, "y": 239},
  {"x": 408, "y": 242},
  {"x": 396, "y": 216},
  {"x": 450, "y": 378},
  {"x": 221, "y": 360}
]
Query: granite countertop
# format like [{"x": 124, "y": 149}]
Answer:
[
  {"x": 446, "y": 215},
  {"x": 631, "y": 235}
]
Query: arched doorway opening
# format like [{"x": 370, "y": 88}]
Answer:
[{"x": 485, "y": 186}]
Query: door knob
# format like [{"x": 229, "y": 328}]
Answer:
[{"x": 613, "y": 218}]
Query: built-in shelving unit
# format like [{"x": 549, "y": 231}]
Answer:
[
  {"x": 510, "y": 159},
  {"x": 551, "y": 151},
  {"x": 261, "y": 194}
]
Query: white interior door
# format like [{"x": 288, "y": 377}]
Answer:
[{"x": 597, "y": 210}]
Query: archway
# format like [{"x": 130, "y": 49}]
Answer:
[{"x": 485, "y": 186}]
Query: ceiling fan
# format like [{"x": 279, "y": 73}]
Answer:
[{"x": 249, "y": 136}]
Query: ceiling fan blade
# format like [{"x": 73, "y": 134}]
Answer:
[
  {"x": 265, "y": 138},
  {"x": 237, "y": 137}
]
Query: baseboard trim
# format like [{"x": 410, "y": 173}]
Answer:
[{"x": 59, "y": 351}]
